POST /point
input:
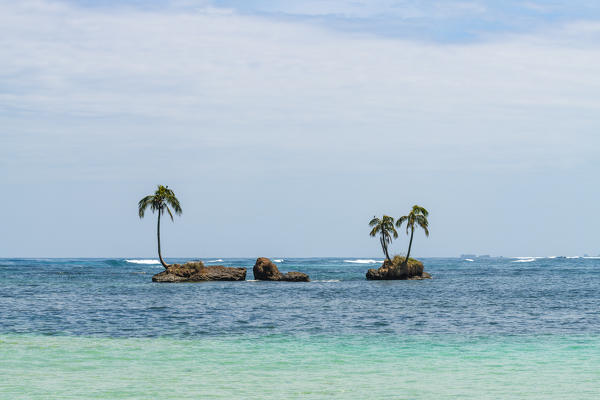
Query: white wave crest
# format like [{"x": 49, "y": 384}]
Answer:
[
  {"x": 280, "y": 260},
  {"x": 148, "y": 262},
  {"x": 592, "y": 258},
  {"x": 469, "y": 259},
  {"x": 219, "y": 260},
  {"x": 327, "y": 280},
  {"x": 363, "y": 261},
  {"x": 532, "y": 258}
]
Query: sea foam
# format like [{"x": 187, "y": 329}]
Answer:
[
  {"x": 149, "y": 262},
  {"x": 363, "y": 261}
]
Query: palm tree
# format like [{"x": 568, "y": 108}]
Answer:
[
  {"x": 385, "y": 228},
  {"x": 417, "y": 215},
  {"x": 160, "y": 201}
]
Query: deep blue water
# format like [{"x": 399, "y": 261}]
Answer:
[{"x": 116, "y": 298}]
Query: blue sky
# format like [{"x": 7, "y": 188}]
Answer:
[
  {"x": 434, "y": 20},
  {"x": 284, "y": 126}
]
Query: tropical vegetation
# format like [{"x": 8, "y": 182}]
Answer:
[
  {"x": 417, "y": 216},
  {"x": 385, "y": 228},
  {"x": 159, "y": 202}
]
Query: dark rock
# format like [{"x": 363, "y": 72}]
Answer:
[
  {"x": 197, "y": 272},
  {"x": 398, "y": 270},
  {"x": 295, "y": 277},
  {"x": 265, "y": 270}
]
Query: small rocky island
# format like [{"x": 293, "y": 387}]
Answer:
[
  {"x": 397, "y": 269},
  {"x": 196, "y": 271},
  {"x": 265, "y": 270}
]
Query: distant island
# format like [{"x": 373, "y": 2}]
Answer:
[
  {"x": 399, "y": 267},
  {"x": 396, "y": 268}
]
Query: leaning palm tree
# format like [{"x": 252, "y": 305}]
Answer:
[
  {"x": 159, "y": 202},
  {"x": 418, "y": 215},
  {"x": 385, "y": 228}
]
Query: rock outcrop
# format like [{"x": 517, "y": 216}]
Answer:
[
  {"x": 265, "y": 270},
  {"x": 197, "y": 272},
  {"x": 398, "y": 270}
]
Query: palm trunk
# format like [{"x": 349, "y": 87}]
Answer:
[
  {"x": 164, "y": 264},
  {"x": 412, "y": 232},
  {"x": 384, "y": 247}
]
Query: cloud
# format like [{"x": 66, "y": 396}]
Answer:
[
  {"x": 431, "y": 20},
  {"x": 278, "y": 124},
  {"x": 142, "y": 83}
]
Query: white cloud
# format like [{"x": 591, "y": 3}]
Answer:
[
  {"x": 219, "y": 79},
  {"x": 369, "y": 8}
]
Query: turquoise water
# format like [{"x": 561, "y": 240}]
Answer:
[
  {"x": 489, "y": 329},
  {"x": 344, "y": 367}
]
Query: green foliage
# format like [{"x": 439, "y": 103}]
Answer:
[
  {"x": 385, "y": 228},
  {"x": 418, "y": 215},
  {"x": 399, "y": 259},
  {"x": 161, "y": 200}
]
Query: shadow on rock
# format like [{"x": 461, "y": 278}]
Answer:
[
  {"x": 265, "y": 270},
  {"x": 197, "y": 272},
  {"x": 397, "y": 269}
]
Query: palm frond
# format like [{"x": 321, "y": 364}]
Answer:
[
  {"x": 401, "y": 220},
  {"x": 163, "y": 196},
  {"x": 143, "y": 204},
  {"x": 386, "y": 238},
  {"x": 174, "y": 202},
  {"x": 375, "y": 230},
  {"x": 423, "y": 223},
  {"x": 420, "y": 210},
  {"x": 169, "y": 211}
]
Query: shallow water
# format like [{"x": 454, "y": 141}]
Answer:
[{"x": 491, "y": 328}]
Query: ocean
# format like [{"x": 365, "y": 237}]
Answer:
[{"x": 490, "y": 328}]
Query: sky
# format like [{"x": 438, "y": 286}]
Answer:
[{"x": 284, "y": 126}]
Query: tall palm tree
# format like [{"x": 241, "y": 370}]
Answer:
[
  {"x": 160, "y": 201},
  {"x": 418, "y": 215},
  {"x": 385, "y": 228}
]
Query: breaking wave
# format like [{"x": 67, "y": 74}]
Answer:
[
  {"x": 148, "y": 262},
  {"x": 363, "y": 261}
]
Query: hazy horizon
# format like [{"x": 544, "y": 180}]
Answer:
[{"x": 284, "y": 127}]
